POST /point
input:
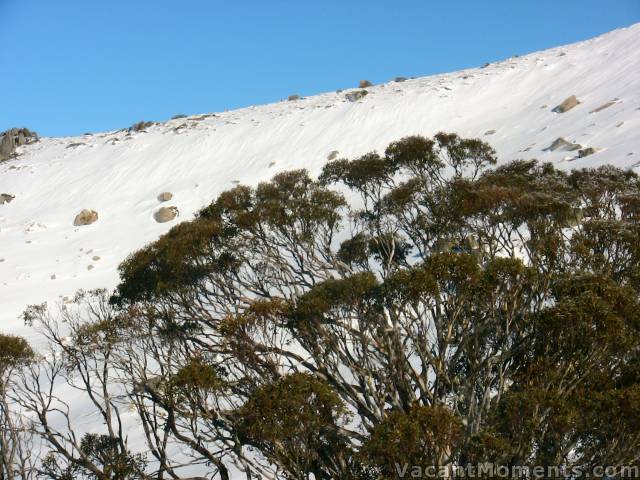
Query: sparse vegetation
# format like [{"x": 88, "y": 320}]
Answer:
[{"x": 140, "y": 126}]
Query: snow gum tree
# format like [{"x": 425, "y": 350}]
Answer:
[{"x": 420, "y": 307}]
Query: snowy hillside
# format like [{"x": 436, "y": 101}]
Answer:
[{"x": 43, "y": 256}]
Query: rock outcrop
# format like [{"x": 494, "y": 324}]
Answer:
[
  {"x": 13, "y": 138},
  {"x": 165, "y": 196}
]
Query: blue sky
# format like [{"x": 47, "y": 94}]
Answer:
[{"x": 71, "y": 66}]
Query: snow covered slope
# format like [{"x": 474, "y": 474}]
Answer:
[{"x": 119, "y": 175}]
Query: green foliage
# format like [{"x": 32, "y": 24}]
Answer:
[
  {"x": 422, "y": 437},
  {"x": 296, "y": 421},
  {"x": 105, "y": 455},
  {"x": 14, "y": 352},
  {"x": 170, "y": 262},
  {"x": 466, "y": 313}
]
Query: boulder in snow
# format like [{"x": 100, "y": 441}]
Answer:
[
  {"x": 6, "y": 198},
  {"x": 356, "y": 95},
  {"x": 365, "y": 84},
  {"x": 13, "y": 138},
  {"x": 85, "y": 217},
  {"x": 585, "y": 152},
  {"x": 165, "y": 196},
  {"x": 293, "y": 98},
  {"x": 563, "y": 145},
  {"x": 567, "y": 104},
  {"x": 602, "y": 107},
  {"x": 166, "y": 214}
]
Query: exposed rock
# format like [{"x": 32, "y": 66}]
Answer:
[
  {"x": 563, "y": 145},
  {"x": 6, "y": 198},
  {"x": 166, "y": 214},
  {"x": 293, "y": 97},
  {"x": 180, "y": 115},
  {"x": 490, "y": 132},
  {"x": 357, "y": 95},
  {"x": 74, "y": 145},
  {"x": 400, "y": 79},
  {"x": 85, "y": 217},
  {"x": 602, "y": 107},
  {"x": 365, "y": 84},
  {"x": 567, "y": 104},
  {"x": 13, "y": 138},
  {"x": 585, "y": 152},
  {"x": 165, "y": 196},
  {"x": 333, "y": 155}
]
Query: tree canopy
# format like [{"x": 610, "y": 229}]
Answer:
[{"x": 421, "y": 307}]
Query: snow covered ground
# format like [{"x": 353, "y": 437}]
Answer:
[{"x": 509, "y": 104}]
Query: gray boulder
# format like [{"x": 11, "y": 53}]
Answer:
[
  {"x": 6, "y": 198},
  {"x": 333, "y": 155},
  {"x": 562, "y": 144},
  {"x": 13, "y": 138},
  {"x": 166, "y": 214},
  {"x": 85, "y": 217},
  {"x": 165, "y": 196},
  {"x": 585, "y": 152},
  {"x": 365, "y": 84},
  {"x": 356, "y": 95},
  {"x": 567, "y": 104}
]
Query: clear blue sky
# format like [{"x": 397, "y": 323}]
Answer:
[{"x": 71, "y": 66}]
